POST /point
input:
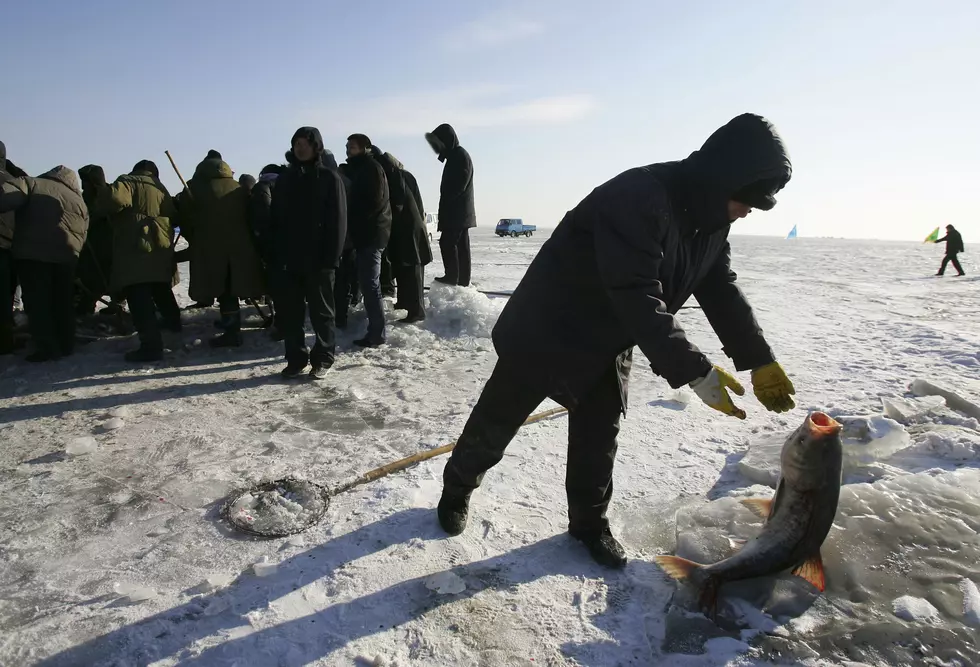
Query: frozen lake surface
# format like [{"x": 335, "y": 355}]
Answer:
[{"x": 114, "y": 554}]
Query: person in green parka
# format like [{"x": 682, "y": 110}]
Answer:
[
  {"x": 224, "y": 260},
  {"x": 142, "y": 216}
]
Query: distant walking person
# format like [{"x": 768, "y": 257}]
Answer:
[
  {"x": 50, "y": 230},
  {"x": 142, "y": 216},
  {"x": 309, "y": 223},
  {"x": 370, "y": 230},
  {"x": 457, "y": 212},
  {"x": 954, "y": 246}
]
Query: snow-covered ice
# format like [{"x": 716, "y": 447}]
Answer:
[
  {"x": 971, "y": 602},
  {"x": 445, "y": 583},
  {"x": 86, "y": 444},
  {"x": 113, "y": 424},
  {"x": 913, "y": 609},
  {"x": 144, "y": 508}
]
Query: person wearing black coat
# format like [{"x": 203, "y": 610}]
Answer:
[
  {"x": 408, "y": 247},
  {"x": 95, "y": 262},
  {"x": 370, "y": 229},
  {"x": 308, "y": 227},
  {"x": 954, "y": 246},
  {"x": 8, "y": 280},
  {"x": 615, "y": 271},
  {"x": 457, "y": 211},
  {"x": 347, "y": 291}
]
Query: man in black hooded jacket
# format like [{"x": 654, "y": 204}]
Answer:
[
  {"x": 308, "y": 226},
  {"x": 629, "y": 255},
  {"x": 457, "y": 212},
  {"x": 954, "y": 246}
]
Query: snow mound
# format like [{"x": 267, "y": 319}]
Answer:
[
  {"x": 867, "y": 440},
  {"x": 461, "y": 311},
  {"x": 893, "y": 542},
  {"x": 912, "y": 609}
]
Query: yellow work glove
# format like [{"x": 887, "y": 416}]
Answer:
[
  {"x": 713, "y": 390},
  {"x": 773, "y": 389}
]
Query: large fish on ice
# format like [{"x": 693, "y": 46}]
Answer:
[{"x": 798, "y": 518}]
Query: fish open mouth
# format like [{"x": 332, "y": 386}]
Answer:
[{"x": 823, "y": 425}]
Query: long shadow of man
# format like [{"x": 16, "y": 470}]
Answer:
[{"x": 174, "y": 632}]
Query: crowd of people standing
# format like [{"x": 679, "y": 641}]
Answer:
[{"x": 311, "y": 236}]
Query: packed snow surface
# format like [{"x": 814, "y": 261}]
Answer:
[{"x": 377, "y": 582}]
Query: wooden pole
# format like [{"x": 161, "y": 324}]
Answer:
[
  {"x": 174, "y": 165},
  {"x": 408, "y": 461}
]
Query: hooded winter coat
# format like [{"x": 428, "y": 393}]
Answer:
[
  {"x": 52, "y": 219},
  {"x": 369, "y": 208},
  {"x": 143, "y": 217},
  {"x": 621, "y": 263},
  {"x": 95, "y": 262},
  {"x": 6, "y": 219},
  {"x": 213, "y": 214},
  {"x": 457, "y": 210},
  {"x": 954, "y": 242},
  {"x": 309, "y": 211},
  {"x": 409, "y": 242}
]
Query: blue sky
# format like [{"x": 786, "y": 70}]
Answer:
[{"x": 878, "y": 102}]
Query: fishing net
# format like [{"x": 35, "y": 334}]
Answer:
[{"x": 278, "y": 508}]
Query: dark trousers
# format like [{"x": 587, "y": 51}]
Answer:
[
  {"x": 369, "y": 277},
  {"x": 346, "y": 289},
  {"x": 507, "y": 400},
  {"x": 48, "y": 291},
  {"x": 455, "y": 247},
  {"x": 230, "y": 308},
  {"x": 956, "y": 264},
  {"x": 297, "y": 291},
  {"x": 388, "y": 275},
  {"x": 145, "y": 301},
  {"x": 411, "y": 289}
]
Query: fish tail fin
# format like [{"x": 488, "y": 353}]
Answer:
[{"x": 676, "y": 567}]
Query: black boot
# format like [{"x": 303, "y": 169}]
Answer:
[
  {"x": 445, "y": 281},
  {"x": 603, "y": 547},
  {"x": 453, "y": 512},
  {"x": 293, "y": 370},
  {"x": 227, "y": 339},
  {"x": 143, "y": 355}
]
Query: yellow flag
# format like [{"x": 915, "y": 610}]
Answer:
[{"x": 932, "y": 237}]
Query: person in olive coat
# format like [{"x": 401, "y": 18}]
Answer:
[
  {"x": 224, "y": 260},
  {"x": 612, "y": 275},
  {"x": 408, "y": 246},
  {"x": 954, "y": 246},
  {"x": 457, "y": 211},
  {"x": 370, "y": 228},
  {"x": 52, "y": 222},
  {"x": 143, "y": 216},
  {"x": 309, "y": 224}
]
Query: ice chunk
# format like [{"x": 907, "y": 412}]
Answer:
[
  {"x": 215, "y": 582},
  {"x": 122, "y": 412},
  {"x": 866, "y": 440},
  {"x": 953, "y": 400},
  {"x": 445, "y": 583},
  {"x": 133, "y": 592},
  {"x": 971, "y": 603},
  {"x": 83, "y": 445},
  {"x": 113, "y": 424},
  {"x": 909, "y": 608},
  {"x": 358, "y": 393},
  {"x": 264, "y": 568},
  {"x": 909, "y": 409}
]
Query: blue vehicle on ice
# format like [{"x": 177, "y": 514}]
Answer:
[{"x": 514, "y": 227}]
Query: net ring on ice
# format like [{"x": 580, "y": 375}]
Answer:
[{"x": 277, "y": 508}]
